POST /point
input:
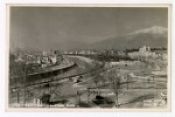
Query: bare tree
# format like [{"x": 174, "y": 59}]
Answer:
[{"x": 115, "y": 81}]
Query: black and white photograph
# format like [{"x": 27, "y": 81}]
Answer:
[{"x": 87, "y": 57}]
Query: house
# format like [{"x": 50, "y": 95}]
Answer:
[{"x": 51, "y": 58}]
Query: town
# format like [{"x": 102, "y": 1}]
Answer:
[{"x": 89, "y": 78}]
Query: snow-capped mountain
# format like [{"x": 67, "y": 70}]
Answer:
[
  {"x": 155, "y": 36},
  {"x": 154, "y": 30}
]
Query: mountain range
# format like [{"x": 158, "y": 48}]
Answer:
[{"x": 155, "y": 36}]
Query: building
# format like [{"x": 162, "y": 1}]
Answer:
[
  {"x": 144, "y": 49},
  {"x": 143, "y": 53},
  {"x": 50, "y": 58}
]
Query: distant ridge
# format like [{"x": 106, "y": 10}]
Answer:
[{"x": 155, "y": 36}]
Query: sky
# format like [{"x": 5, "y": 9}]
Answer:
[{"x": 70, "y": 27}]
